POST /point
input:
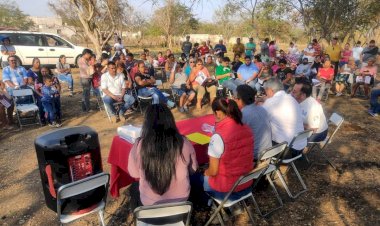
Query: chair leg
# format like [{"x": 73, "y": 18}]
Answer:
[
  {"x": 275, "y": 193},
  {"x": 249, "y": 212},
  {"x": 284, "y": 183},
  {"x": 300, "y": 179},
  {"x": 215, "y": 214},
  {"x": 330, "y": 162},
  {"x": 101, "y": 217}
]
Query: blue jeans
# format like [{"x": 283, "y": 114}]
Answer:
[
  {"x": 57, "y": 107},
  {"x": 318, "y": 137},
  {"x": 86, "y": 85},
  {"x": 67, "y": 78},
  {"x": 49, "y": 110},
  {"x": 128, "y": 101},
  {"x": 232, "y": 84},
  {"x": 375, "y": 105},
  {"x": 156, "y": 94}
]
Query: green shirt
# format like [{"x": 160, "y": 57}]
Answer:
[
  {"x": 250, "y": 48},
  {"x": 221, "y": 70}
]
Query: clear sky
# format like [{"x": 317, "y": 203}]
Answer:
[{"x": 203, "y": 10}]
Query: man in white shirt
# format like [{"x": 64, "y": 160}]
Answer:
[
  {"x": 312, "y": 112},
  {"x": 356, "y": 53},
  {"x": 118, "y": 47},
  {"x": 285, "y": 115},
  {"x": 114, "y": 86},
  {"x": 309, "y": 53}
]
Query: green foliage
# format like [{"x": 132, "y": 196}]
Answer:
[{"x": 12, "y": 17}]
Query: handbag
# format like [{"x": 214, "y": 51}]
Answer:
[{"x": 208, "y": 83}]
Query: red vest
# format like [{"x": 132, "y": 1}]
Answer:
[{"x": 237, "y": 158}]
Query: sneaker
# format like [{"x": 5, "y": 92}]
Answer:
[
  {"x": 71, "y": 94},
  {"x": 373, "y": 114},
  {"x": 128, "y": 111},
  {"x": 58, "y": 125},
  {"x": 117, "y": 119},
  {"x": 186, "y": 108},
  {"x": 338, "y": 94},
  {"x": 181, "y": 109}
]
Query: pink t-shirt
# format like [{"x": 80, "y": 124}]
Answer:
[
  {"x": 272, "y": 51},
  {"x": 346, "y": 54},
  {"x": 179, "y": 188},
  {"x": 368, "y": 70},
  {"x": 83, "y": 68}
]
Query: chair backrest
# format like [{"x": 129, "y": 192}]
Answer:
[
  {"x": 167, "y": 213},
  {"x": 336, "y": 120},
  {"x": 22, "y": 92},
  {"x": 301, "y": 136},
  {"x": 274, "y": 151},
  {"x": 82, "y": 186}
]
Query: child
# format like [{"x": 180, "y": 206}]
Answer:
[
  {"x": 48, "y": 95},
  {"x": 161, "y": 59},
  {"x": 96, "y": 77}
]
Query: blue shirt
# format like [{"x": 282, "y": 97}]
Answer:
[
  {"x": 222, "y": 48},
  {"x": 246, "y": 71},
  {"x": 48, "y": 93},
  {"x": 16, "y": 75}
]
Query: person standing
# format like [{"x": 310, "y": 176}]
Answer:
[
  {"x": 334, "y": 52},
  {"x": 85, "y": 78},
  {"x": 238, "y": 47},
  {"x": 265, "y": 48},
  {"x": 220, "y": 48},
  {"x": 187, "y": 46},
  {"x": 6, "y": 50},
  {"x": 357, "y": 52},
  {"x": 250, "y": 48}
]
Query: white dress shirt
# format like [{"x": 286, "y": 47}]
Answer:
[
  {"x": 313, "y": 115},
  {"x": 285, "y": 118},
  {"x": 113, "y": 84}
]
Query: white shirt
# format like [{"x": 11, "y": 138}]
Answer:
[
  {"x": 113, "y": 84},
  {"x": 118, "y": 46},
  {"x": 9, "y": 48},
  {"x": 313, "y": 115},
  {"x": 216, "y": 146},
  {"x": 309, "y": 51},
  {"x": 356, "y": 52},
  {"x": 285, "y": 117}
]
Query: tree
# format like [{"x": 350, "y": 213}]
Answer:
[
  {"x": 337, "y": 17},
  {"x": 226, "y": 20},
  {"x": 174, "y": 18},
  {"x": 12, "y": 17},
  {"x": 98, "y": 18}
]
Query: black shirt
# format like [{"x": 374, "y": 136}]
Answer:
[
  {"x": 281, "y": 73},
  {"x": 236, "y": 65},
  {"x": 143, "y": 77}
]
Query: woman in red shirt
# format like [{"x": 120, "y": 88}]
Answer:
[{"x": 325, "y": 76}]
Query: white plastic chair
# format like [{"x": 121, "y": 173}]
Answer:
[
  {"x": 26, "y": 112},
  {"x": 255, "y": 174},
  {"x": 172, "y": 214},
  {"x": 290, "y": 162},
  {"x": 334, "y": 120},
  {"x": 80, "y": 187}
]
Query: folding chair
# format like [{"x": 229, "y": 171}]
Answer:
[
  {"x": 337, "y": 121},
  {"x": 290, "y": 162},
  {"x": 100, "y": 100},
  {"x": 223, "y": 91},
  {"x": 80, "y": 187},
  {"x": 26, "y": 107},
  {"x": 266, "y": 157},
  {"x": 140, "y": 99},
  {"x": 164, "y": 214},
  {"x": 255, "y": 174}
]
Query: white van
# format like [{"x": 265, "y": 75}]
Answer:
[{"x": 47, "y": 47}]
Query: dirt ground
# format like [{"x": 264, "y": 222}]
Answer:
[{"x": 349, "y": 198}]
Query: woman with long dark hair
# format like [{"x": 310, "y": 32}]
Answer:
[
  {"x": 162, "y": 158},
  {"x": 230, "y": 150}
]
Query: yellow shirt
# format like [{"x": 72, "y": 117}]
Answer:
[
  {"x": 238, "y": 48},
  {"x": 334, "y": 52}
]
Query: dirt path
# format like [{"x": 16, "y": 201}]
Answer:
[{"x": 350, "y": 198}]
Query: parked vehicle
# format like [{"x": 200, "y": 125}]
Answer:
[{"x": 47, "y": 47}]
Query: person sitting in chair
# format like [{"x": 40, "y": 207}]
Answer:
[
  {"x": 312, "y": 112},
  {"x": 64, "y": 73},
  {"x": 145, "y": 85},
  {"x": 114, "y": 88}
]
